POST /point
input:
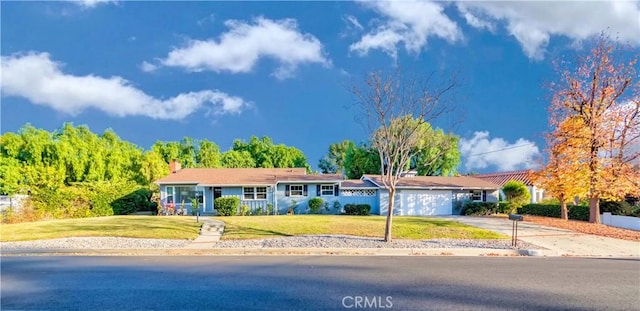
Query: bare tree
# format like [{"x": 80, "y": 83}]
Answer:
[{"x": 394, "y": 109}]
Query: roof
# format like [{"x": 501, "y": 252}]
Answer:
[
  {"x": 502, "y": 178},
  {"x": 309, "y": 178},
  {"x": 233, "y": 176},
  {"x": 439, "y": 182},
  {"x": 357, "y": 183}
]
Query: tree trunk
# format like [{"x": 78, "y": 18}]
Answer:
[
  {"x": 594, "y": 210},
  {"x": 564, "y": 213},
  {"x": 387, "y": 229}
]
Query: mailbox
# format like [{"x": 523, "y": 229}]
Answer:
[{"x": 515, "y": 217}]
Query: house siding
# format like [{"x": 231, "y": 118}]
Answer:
[{"x": 283, "y": 202}]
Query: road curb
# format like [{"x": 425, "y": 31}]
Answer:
[{"x": 270, "y": 251}]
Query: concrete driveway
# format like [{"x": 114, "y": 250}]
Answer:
[{"x": 560, "y": 242}]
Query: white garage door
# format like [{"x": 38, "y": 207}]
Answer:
[{"x": 426, "y": 202}]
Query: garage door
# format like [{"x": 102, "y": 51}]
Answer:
[{"x": 425, "y": 202}]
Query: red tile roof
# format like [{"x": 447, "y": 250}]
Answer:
[
  {"x": 502, "y": 178},
  {"x": 243, "y": 176},
  {"x": 439, "y": 182}
]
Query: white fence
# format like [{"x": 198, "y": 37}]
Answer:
[{"x": 626, "y": 222}]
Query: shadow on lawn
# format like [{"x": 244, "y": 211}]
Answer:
[{"x": 235, "y": 230}]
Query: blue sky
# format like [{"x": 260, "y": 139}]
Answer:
[{"x": 225, "y": 70}]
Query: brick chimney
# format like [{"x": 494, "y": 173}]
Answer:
[{"x": 174, "y": 166}]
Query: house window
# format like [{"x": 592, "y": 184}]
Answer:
[
  {"x": 169, "y": 194},
  {"x": 186, "y": 193},
  {"x": 476, "y": 196},
  {"x": 248, "y": 193},
  {"x": 296, "y": 190},
  {"x": 254, "y": 193},
  {"x": 326, "y": 190},
  {"x": 261, "y": 193}
]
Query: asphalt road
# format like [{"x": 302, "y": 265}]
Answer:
[{"x": 318, "y": 283}]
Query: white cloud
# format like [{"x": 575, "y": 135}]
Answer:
[
  {"x": 481, "y": 152},
  {"x": 239, "y": 49},
  {"x": 353, "y": 22},
  {"x": 408, "y": 22},
  {"x": 36, "y": 77},
  {"x": 91, "y": 3},
  {"x": 148, "y": 67},
  {"x": 533, "y": 23}
]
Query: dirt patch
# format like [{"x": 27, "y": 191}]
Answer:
[{"x": 586, "y": 227}]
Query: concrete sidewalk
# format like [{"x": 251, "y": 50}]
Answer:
[
  {"x": 210, "y": 233},
  {"x": 560, "y": 242}
]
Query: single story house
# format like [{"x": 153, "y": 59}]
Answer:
[
  {"x": 280, "y": 188},
  {"x": 524, "y": 176}
]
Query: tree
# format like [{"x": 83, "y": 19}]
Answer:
[
  {"x": 600, "y": 91},
  {"x": 394, "y": 109},
  {"x": 333, "y": 161},
  {"x": 360, "y": 160},
  {"x": 436, "y": 154},
  {"x": 517, "y": 194},
  {"x": 208, "y": 154},
  {"x": 237, "y": 159},
  {"x": 565, "y": 175}
]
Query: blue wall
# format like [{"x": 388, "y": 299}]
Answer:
[{"x": 283, "y": 202}]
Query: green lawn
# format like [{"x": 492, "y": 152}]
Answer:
[
  {"x": 118, "y": 226},
  {"x": 404, "y": 227}
]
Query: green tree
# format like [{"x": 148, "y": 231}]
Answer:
[
  {"x": 208, "y": 154},
  {"x": 333, "y": 161},
  {"x": 360, "y": 160},
  {"x": 517, "y": 194},
  {"x": 237, "y": 159},
  {"x": 436, "y": 153}
]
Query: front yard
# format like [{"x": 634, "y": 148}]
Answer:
[
  {"x": 114, "y": 226},
  {"x": 404, "y": 227}
]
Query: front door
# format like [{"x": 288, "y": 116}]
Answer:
[{"x": 217, "y": 192}]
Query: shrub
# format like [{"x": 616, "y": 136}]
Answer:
[
  {"x": 622, "y": 208},
  {"x": 357, "y": 209},
  {"x": 576, "y": 212},
  {"x": 479, "y": 208},
  {"x": 547, "y": 210},
  {"x": 257, "y": 211},
  {"x": 244, "y": 210},
  {"x": 269, "y": 209},
  {"x": 505, "y": 207},
  {"x": 227, "y": 206},
  {"x": 315, "y": 204},
  {"x": 337, "y": 206},
  {"x": 517, "y": 193},
  {"x": 195, "y": 205}
]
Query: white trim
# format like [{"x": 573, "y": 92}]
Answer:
[
  {"x": 255, "y": 193},
  {"x": 296, "y": 195},
  {"x": 333, "y": 190}
]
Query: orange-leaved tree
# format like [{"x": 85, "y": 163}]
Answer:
[
  {"x": 564, "y": 176},
  {"x": 601, "y": 90}
]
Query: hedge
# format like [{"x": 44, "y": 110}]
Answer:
[
  {"x": 227, "y": 206},
  {"x": 357, "y": 209},
  {"x": 479, "y": 208},
  {"x": 576, "y": 212}
]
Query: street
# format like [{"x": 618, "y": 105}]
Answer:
[{"x": 318, "y": 283}]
